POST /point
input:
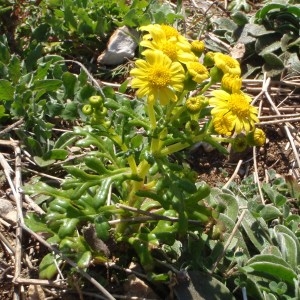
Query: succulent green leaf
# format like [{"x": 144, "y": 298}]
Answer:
[
  {"x": 69, "y": 81},
  {"x": 4, "y": 53},
  {"x": 261, "y": 14},
  {"x": 67, "y": 228},
  {"x": 256, "y": 230},
  {"x": 267, "y": 44},
  {"x": 270, "y": 212},
  {"x": 272, "y": 250},
  {"x": 6, "y": 90},
  {"x": 66, "y": 139},
  {"x": 273, "y": 66},
  {"x": 269, "y": 296},
  {"x": 239, "y": 18},
  {"x": 14, "y": 69},
  {"x": 47, "y": 84},
  {"x": 84, "y": 259},
  {"x": 56, "y": 154},
  {"x": 269, "y": 265},
  {"x": 288, "y": 248},
  {"x": 285, "y": 230},
  {"x": 47, "y": 267},
  {"x": 102, "y": 228},
  {"x": 272, "y": 269}
]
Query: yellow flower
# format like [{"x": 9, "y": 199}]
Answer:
[
  {"x": 198, "y": 72},
  {"x": 223, "y": 124},
  {"x": 227, "y": 64},
  {"x": 236, "y": 107},
  {"x": 170, "y": 31},
  {"x": 157, "y": 77},
  {"x": 257, "y": 137},
  {"x": 231, "y": 83},
  {"x": 198, "y": 47},
  {"x": 161, "y": 38}
]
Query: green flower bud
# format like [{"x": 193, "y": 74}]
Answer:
[
  {"x": 239, "y": 143},
  {"x": 195, "y": 104},
  {"x": 192, "y": 126},
  {"x": 96, "y": 101},
  {"x": 209, "y": 59},
  {"x": 216, "y": 74},
  {"x": 87, "y": 109},
  {"x": 257, "y": 137}
]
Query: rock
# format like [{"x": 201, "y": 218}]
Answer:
[
  {"x": 5, "y": 207},
  {"x": 121, "y": 46},
  {"x": 35, "y": 292}
]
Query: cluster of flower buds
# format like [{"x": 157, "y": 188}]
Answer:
[{"x": 96, "y": 110}]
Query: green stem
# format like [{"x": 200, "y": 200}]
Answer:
[
  {"x": 131, "y": 161},
  {"x": 152, "y": 118},
  {"x": 151, "y": 114},
  {"x": 206, "y": 87},
  {"x": 180, "y": 146}
]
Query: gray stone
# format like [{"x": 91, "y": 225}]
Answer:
[
  {"x": 121, "y": 46},
  {"x": 5, "y": 207}
]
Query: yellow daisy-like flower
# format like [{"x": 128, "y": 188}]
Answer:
[
  {"x": 231, "y": 83},
  {"x": 170, "y": 31},
  {"x": 223, "y": 124},
  {"x": 236, "y": 105},
  {"x": 157, "y": 77},
  {"x": 175, "y": 46},
  {"x": 227, "y": 64},
  {"x": 198, "y": 47},
  {"x": 198, "y": 72}
]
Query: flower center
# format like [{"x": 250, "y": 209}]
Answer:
[
  {"x": 159, "y": 76},
  {"x": 239, "y": 105},
  {"x": 170, "y": 50}
]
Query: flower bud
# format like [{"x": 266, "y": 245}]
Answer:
[
  {"x": 198, "y": 47},
  {"x": 87, "y": 109},
  {"x": 96, "y": 101},
  {"x": 231, "y": 83},
  {"x": 257, "y": 137},
  {"x": 195, "y": 104},
  {"x": 208, "y": 60},
  {"x": 216, "y": 74},
  {"x": 192, "y": 126},
  {"x": 239, "y": 144}
]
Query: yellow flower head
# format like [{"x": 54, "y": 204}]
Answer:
[
  {"x": 162, "y": 37},
  {"x": 223, "y": 124},
  {"x": 231, "y": 83},
  {"x": 198, "y": 72},
  {"x": 237, "y": 107},
  {"x": 170, "y": 31},
  {"x": 157, "y": 77},
  {"x": 227, "y": 64},
  {"x": 198, "y": 47},
  {"x": 257, "y": 137}
]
